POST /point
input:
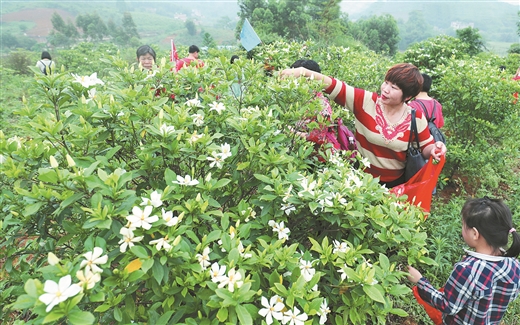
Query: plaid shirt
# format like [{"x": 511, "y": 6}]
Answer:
[{"x": 478, "y": 290}]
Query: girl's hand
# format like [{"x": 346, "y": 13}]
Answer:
[{"x": 414, "y": 275}]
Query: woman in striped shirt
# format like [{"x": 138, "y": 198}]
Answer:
[{"x": 382, "y": 121}]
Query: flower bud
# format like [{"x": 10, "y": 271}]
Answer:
[
  {"x": 70, "y": 161},
  {"x": 53, "y": 162},
  {"x": 52, "y": 259}
]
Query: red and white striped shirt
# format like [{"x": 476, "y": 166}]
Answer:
[{"x": 382, "y": 143}]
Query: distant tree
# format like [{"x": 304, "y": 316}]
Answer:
[
  {"x": 9, "y": 41},
  {"x": 326, "y": 22},
  {"x": 62, "y": 34},
  {"x": 380, "y": 34},
  {"x": 92, "y": 26},
  {"x": 518, "y": 24},
  {"x": 514, "y": 48},
  {"x": 416, "y": 29},
  {"x": 207, "y": 40},
  {"x": 471, "y": 37},
  {"x": 129, "y": 26},
  {"x": 190, "y": 26}
]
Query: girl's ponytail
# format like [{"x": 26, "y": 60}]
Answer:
[{"x": 514, "y": 250}]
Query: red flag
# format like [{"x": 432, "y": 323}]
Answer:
[{"x": 174, "y": 56}]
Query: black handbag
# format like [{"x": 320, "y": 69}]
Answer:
[{"x": 414, "y": 159}]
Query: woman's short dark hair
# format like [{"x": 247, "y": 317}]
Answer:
[
  {"x": 233, "y": 58},
  {"x": 407, "y": 77},
  {"x": 427, "y": 83},
  {"x": 308, "y": 64},
  {"x": 46, "y": 55},
  {"x": 193, "y": 49},
  {"x": 145, "y": 49}
]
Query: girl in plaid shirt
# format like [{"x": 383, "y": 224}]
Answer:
[{"x": 482, "y": 285}]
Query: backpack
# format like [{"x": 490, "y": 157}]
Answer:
[
  {"x": 346, "y": 138},
  {"x": 45, "y": 67},
  {"x": 338, "y": 135},
  {"x": 434, "y": 130}
]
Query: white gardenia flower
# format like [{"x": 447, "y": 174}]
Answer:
[
  {"x": 195, "y": 137},
  {"x": 216, "y": 160},
  {"x": 166, "y": 130},
  {"x": 87, "y": 81},
  {"x": 219, "y": 107},
  {"x": 307, "y": 270},
  {"x": 309, "y": 188},
  {"x": 217, "y": 272},
  {"x": 87, "y": 280},
  {"x": 324, "y": 310},
  {"x": 204, "y": 258},
  {"x": 340, "y": 247},
  {"x": 92, "y": 259},
  {"x": 242, "y": 250},
  {"x": 154, "y": 200},
  {"x": 293, "y": 317},
  {"x": 160, "y": 243},
  {"x": 232, "y": 278},
  {"x": 169, "y": 219},
  {"x": 141, "y": 218},
  {"x": 283, "y": 232},
  {"x": 198, "y": 119},
  {"x": 128, "y": 239},
  {"x": 193, "y": 102},
  {"x": 225, "y": 151},
  {"x": 287, "y": 208},
  {"x": 186, "y": 180},
  {"x": 273, "y": 309},
  {"x": 58, "y": 292},
  {"x": 342, "y": 273}
]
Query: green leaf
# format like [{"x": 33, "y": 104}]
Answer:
[
  {"x": 31, "y": 287},
  {"x": 139, "y": 251},
  {"x": 71, "y": 199},
  {"x": 243, "y": 315},
  {"x": 48, "y": 175},
  {"x": 32, "y": 208},
  {"x": 222, "y": 314},
  {"x": 158, "y": 272},
  {"x": 221, "y": 183},
  {"x": 53, "y": 316},
  {"x": 398, "y": 312},
  {"x": 24, "y": 302},
  {"x": 118, "y": 315},
  {"x": 373, "y": 292},
  {"x": 165, "y": 318},
  {"x": 78, "y": 317}
]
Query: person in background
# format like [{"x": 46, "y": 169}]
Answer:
[
  {"x": 382, "y": 121},
  {"x": 146, "y": 56},
  {"x": 192, "y": 56},
  {"x": 429, "y": 103},
  {"x": 46, "y": 65},
  {"x": 487, "y": 280}
]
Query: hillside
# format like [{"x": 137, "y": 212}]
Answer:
[
  {"x": 158, "y": 22},
  {"x": 496, "y": 20}
]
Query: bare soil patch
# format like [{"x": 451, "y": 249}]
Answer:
[{"x": 41, "y": 17}]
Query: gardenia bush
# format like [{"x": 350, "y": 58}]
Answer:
[{"x": 165, "y": 198}]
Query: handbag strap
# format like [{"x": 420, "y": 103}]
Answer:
[
  {"x": 428, "y": 118},
  {"x": 413, "y": 131}
]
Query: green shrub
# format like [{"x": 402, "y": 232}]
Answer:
[{"x": 144, "y": 200}]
